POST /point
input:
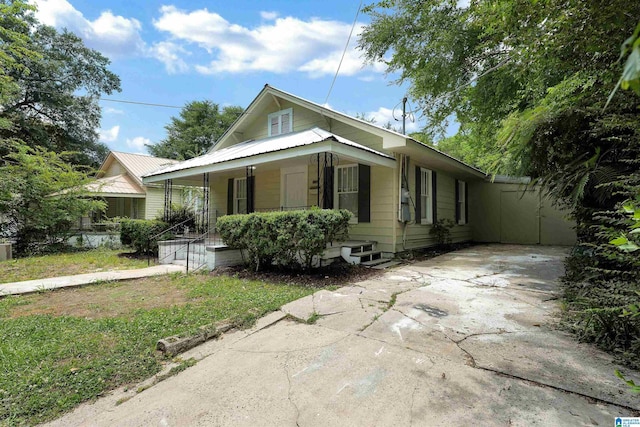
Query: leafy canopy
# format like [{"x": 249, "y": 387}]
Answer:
[
  {"x": 197, "y": 128},
  {"x": 500, "y": 60},
  {"x": 52, "y": 83},
  {"x": 41, "y": 196}
]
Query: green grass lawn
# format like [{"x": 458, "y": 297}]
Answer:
[
  {"x": 61, "y": 348},
  {"x": 65, "y": 264}
]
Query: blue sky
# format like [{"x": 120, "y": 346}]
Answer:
[{"x": 175, "y": 51}]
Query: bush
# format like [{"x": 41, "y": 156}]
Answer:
[
  {"x": 180, "y": 214},
  {"x": 290, "y": 239},
  {"x": 441, "y": 230},
  {"x": 139, "y": 233}
]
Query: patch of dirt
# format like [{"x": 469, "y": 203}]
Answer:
[
  {"x": 336, "y": 274},
  {"x": 105, "y": 299}
]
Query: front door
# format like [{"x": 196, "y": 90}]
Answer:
[{"x": 293, "y": 187}]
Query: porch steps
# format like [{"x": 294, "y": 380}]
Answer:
[{"x": 363, "y": 253}]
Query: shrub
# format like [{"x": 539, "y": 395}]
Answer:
[
  {"x": 139, "y": 234},
  {"x": 180, "y": 214},
  {"x": 289, "y": 239},
  {"x": 441, "y": 230}
]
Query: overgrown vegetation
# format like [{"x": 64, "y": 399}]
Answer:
[
  {"x": 532, "y": 96},
  {"x": 289, "y": 239},
  {"x": 65, "y": 264},
  {"x": 53, "y": 362},
  {"x": 41, "y": 197},
  {"x": 142, "y": 234}
]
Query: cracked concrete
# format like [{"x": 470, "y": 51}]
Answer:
[{"x": 469, "y": 336}]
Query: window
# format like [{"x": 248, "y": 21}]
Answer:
[
  {"x": 347, "y": 188},
  {"x": 426, "y": 196},
  {"x": 240, "y": 196},
  {"x": 462, "y": 202},
  {"x": 280, "y": 122}
]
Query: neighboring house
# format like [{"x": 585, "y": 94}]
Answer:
[
  {"x": 289, "y": 153},
  {"x": 119, "y": 183}
]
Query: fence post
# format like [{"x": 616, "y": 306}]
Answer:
[{"x": 188, "y": 257}]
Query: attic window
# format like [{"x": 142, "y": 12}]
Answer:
[{"x": 280, "y": 122}]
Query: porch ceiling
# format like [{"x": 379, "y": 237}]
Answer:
[{"x": 272, "y": 151}]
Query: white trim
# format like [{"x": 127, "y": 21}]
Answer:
[
  {"x": 235, "y": 194},
  {"x": 294, "y": 169},
  {"x": 426, "y": 217},
  {"x": 336, "y": 199},
  {"x": 278, "y": 115}
]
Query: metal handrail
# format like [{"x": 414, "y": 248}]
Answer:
[
  {"x": 190, "y": 242},
  {"x": 169, "y": 229},
  {"x": 155, "y": 236}
]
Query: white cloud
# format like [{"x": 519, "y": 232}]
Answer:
[
  {"x": 138, "y": 143},
  {"x": 111, "y": 34},
  {"x": 383, "y": 116},
  {"x": 169, "y": 54},
  {"x": 268, "y": 16},
  {"x": 280, "y": 46},
  {"x": 109, "y": 135},
  {"x": 110, "y": 110}
]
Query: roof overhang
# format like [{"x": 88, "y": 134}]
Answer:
[
  {"x": 328, "y": 145},
  {"x": 436, "y": 159}
]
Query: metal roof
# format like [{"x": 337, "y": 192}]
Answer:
[
  {"x": 118, "y": 184},
  {"x": 139, "y": 164},
  {"x": 267, "y": 145}
]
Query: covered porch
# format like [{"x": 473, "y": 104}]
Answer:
[
  {"x": 293, "y": 171},
  {"x": 287, "y": 172}
]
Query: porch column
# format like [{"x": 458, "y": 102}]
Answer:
[
  {"x": 326, "y": 165},
  {"x": 168, "y": 193},
  {"x": 250, "y": 189},
  {"x": 205, "y": 203}
]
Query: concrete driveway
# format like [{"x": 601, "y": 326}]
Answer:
[{"x": 467, "y": 338}]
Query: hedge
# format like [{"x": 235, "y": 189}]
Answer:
[
  {"x": 139, "y": 233},
  {"x": 290, "y": 238}
]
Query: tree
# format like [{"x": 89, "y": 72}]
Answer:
[
  {"x": 486, "y": 61},
  {"x": 14, "y": 49},
  {"x": 54, "y": 98},
  {"x": 528, "y": 82},
  {"x": 41, "y": 197},
  {"x": 198, "y": 127}
]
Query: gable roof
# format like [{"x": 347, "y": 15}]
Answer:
[
  {"x": 398, "y": 142},
  {"x": 118, "y": 185},
  {"x": 279, "y": 143},
  {"x": 137, "y": 165}
]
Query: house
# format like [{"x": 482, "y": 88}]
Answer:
[
  {"x": 119, "y": 183},
  {"x": 286, "y": 152}
]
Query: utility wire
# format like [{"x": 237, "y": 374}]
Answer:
[{"x": 346, "y": 46}]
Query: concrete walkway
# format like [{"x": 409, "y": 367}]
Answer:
[
  {"x": 468, "y": 338},
  {"x": 30, "y": 286}
]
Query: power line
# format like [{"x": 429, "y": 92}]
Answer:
[
  {"x": 346, "y": 46},
  {"x": 149, "y": 104}
]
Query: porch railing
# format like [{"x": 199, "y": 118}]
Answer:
[{"x": 193, "y": 249}]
